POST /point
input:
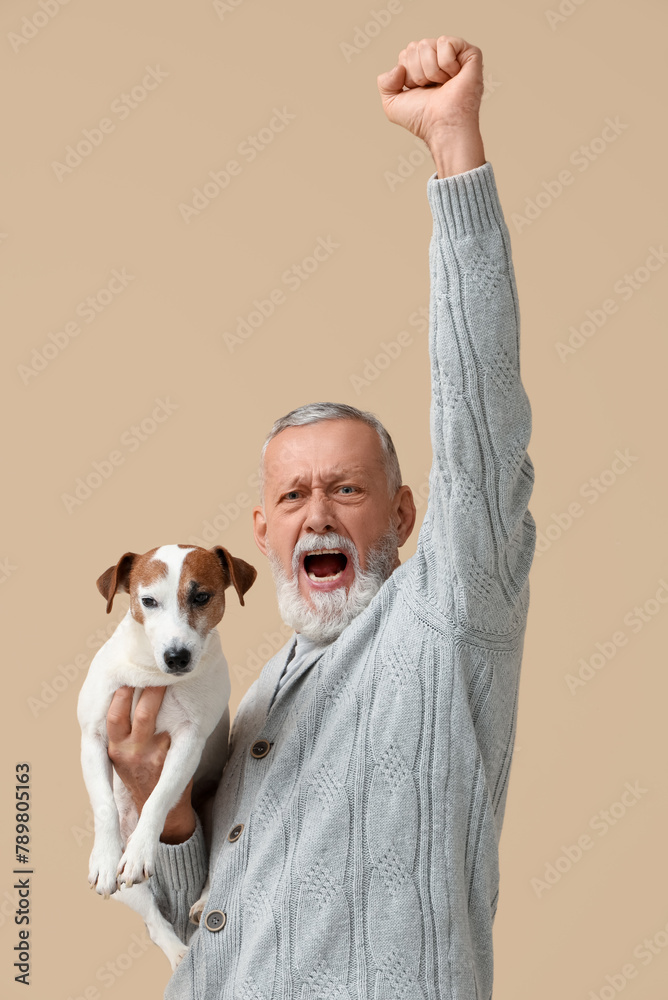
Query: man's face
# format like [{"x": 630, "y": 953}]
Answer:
[{"x": 326, "y": 483}]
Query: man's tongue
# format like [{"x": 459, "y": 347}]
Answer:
[{"x": 324, "y": 565}]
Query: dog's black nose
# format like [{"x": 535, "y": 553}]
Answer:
[{"x": 177, "y": 660}]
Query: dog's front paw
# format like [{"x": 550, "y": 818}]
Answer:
[
  {"x": 102, "y": 870},
  {"x": 197, "y": 909},
  {"x": 137, "y": 862},
  {"x": 176, "y": 954}
]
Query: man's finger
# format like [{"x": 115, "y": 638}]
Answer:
[
  {"x": 417, "y": 59},
  {"x": 454, "y": 53},
  {"x": 118, "y": 717},
  {"x": 391, "y": 83},
  {"x": 429, "y": 62},
  {"x": 146, "y": 713}
]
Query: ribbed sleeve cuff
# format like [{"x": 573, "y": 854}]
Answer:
[
  {"x": 182, "y": 866},
  {"x": 467, "y": 203}
]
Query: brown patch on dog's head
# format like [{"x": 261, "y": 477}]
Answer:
[
  {"x": 121, "y": 577},
  {"x": 201, "y": 575},
  {"x": 205, "y": 573}
]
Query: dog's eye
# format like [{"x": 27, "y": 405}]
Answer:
[
  {"x": 201, "y": 598},
  {"x": 149, "y": 602}
]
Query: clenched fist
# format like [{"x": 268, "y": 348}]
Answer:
[{"x": 435, "y": 91}]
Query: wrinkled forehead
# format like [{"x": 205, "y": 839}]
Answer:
[{"x": 327, "y": 448}]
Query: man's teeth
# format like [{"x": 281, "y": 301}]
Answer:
[{"x": 323, "y": 552}]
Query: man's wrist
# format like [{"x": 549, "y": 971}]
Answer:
[
  {"x": 179, "y": 828},
  {"x": 456, "y": 150}
]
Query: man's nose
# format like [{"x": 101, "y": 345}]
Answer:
[{"x": 320, "y": 516}]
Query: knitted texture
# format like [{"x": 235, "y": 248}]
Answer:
[{"x": 367, "y": 868}]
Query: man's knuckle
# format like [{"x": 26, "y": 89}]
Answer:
[{"x": 142, "y": 717}]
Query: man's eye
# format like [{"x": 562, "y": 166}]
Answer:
[
  {"x": 351, "y": 488},
  {"x": 201, "y": 598},
  {"x": 292, "y": 495},
  {"x": 149, "y": 602}
]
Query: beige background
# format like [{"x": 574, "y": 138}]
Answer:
[{"x": 551, "y": 84}]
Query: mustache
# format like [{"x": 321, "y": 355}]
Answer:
[{"x": 328, "y": 615}]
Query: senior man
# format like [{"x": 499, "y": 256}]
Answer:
[{"x": 356, "y": 824}]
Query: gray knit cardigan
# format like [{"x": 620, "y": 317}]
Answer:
[{"x": 367, "y": 866}]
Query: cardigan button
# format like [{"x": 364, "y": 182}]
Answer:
[
  {"x": 215, "y": 920},
  {"x": 235, "y": 832},
  {"x": 260, "y": 748}
]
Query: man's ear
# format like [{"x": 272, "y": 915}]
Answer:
[
  {"x": 236, "y": 572},
  {"x": 405, "y": 512},
  {"x": 116, "y": 578},
  {"x": 260, "y": 529}
]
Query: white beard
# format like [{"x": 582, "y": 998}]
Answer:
[{"x": 331, "y": 611}]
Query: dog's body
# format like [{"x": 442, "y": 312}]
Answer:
[{"x": 167, "y": 638}]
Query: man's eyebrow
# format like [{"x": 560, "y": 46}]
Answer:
[{"x": 284, "y": 486}]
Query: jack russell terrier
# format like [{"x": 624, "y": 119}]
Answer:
[{"x": 167, "y": 638}]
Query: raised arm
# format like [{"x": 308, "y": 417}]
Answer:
[{"x": 477, "y": 541}]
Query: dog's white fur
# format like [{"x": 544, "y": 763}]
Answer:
[{"x": 194, "y": 712}]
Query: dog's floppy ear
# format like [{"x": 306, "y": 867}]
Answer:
[
  {"x": 116, "y": 578},
  {"x": 237, "y": 572}
]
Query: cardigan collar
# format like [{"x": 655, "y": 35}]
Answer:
[{"x": 267, "y": 692}]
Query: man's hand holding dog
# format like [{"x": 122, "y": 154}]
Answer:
[
  {"x": 138, "y": 754},
  {"x": 441, "y": 105}
]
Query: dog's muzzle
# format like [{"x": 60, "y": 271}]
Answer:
[{"x": 177, "y": 661}]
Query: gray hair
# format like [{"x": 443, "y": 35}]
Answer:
[{"x": 312, "y": 413}]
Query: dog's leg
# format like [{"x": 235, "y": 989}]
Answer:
[
  {"x": 198, "y": 908},
  {"x": 205, "y": 811},
  {"x": 141, "y": 900},
  {"x": 108, "y": 845},
  {"x": 127, "y": 811},
  {"x": 138, "y": 860}
]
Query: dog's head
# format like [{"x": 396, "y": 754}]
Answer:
[{"x": 177, "y": 592}]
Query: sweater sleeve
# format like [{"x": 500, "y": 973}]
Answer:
[
  {"x": 178, "y": 880},
  {"x": 477, "y": 540}
]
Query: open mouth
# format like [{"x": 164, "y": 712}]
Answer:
[{"x": 324, "y": 565}]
